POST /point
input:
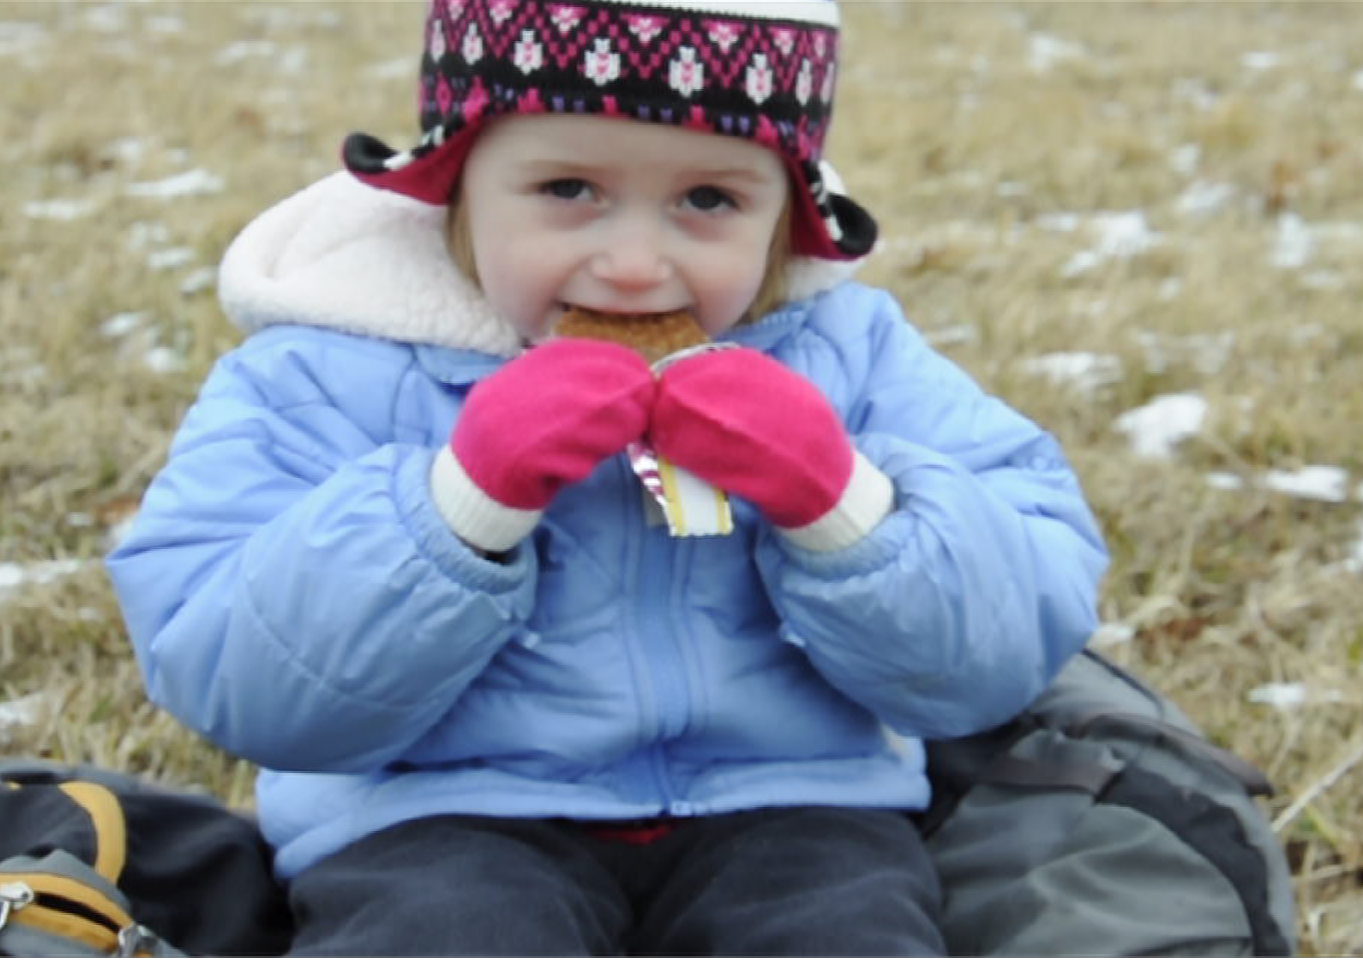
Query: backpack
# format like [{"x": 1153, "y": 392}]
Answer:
[
  {"x": 1097, "y": 823},
  {"x": 96, "y": 864},
  {"x": 1100, "y": 822}
]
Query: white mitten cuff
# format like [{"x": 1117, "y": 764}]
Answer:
[
  {"x": 476, "y": 518},
  {"x": 868, "y": 499}
]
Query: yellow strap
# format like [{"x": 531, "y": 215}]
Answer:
[
  {"x": 69, "y": 926},
  {"x": 111, "y": 831},
  {"x": 63, "y": 922}
]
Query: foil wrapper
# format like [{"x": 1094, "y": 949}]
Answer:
[{"x": 690, "y": 506}]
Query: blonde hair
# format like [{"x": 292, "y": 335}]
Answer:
[{"x": 771, "y": 292}]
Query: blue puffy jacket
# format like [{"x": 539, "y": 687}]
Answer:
[{"x": 293, "y": 594}]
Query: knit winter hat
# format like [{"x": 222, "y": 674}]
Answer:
[{"x": 759, "y": 69}]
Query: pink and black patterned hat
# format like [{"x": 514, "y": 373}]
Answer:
[{"x": 759, "y": 69}]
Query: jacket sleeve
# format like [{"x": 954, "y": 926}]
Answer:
[
  {"x": 289, "y": 589},
  {"x": 963, "y": 604}
]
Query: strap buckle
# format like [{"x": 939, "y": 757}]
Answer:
[
  {"x": 136, "y": 940},
  {"x": 14, "y": 895}
]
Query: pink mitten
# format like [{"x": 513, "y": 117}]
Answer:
[
  {"x": 544, "y": 420},
  {"x": 745, "y": 423}
]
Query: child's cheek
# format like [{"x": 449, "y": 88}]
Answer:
[{"x": 730, "y": 297}]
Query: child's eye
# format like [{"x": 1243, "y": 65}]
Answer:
[
  {"x": 566, "y": 188},
  {"x": 708, "y": 199}
]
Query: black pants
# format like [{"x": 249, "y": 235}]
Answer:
[{"x": 802, "y": 881}]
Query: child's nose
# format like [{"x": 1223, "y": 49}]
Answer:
[{"x": 632, "y": 257}]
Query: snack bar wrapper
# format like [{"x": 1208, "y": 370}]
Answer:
[{"x": 691, "y": 506}]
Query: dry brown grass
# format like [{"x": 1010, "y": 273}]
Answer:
[{"x": 970, "y": 128}]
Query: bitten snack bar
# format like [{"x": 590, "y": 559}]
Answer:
[{"x": 655, "y": 335}]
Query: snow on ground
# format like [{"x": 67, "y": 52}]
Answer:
[
  {"x": 1085, "y": 372},
  {"x": 1157, "y": 428},
  {"x": 190, "y": 183},
  {"x": 24, "y": 713},
  {"x": 16, "y": 576},
  {"x": 1289, "y": 696}
]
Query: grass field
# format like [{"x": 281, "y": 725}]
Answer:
[{"x": 1140, "y": 223}]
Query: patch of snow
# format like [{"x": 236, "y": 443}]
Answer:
[
  {"x": 954, "y": 335},
  {"x": 118, "y": 531},
  {"x": 24, "y": 713},
  {"x": 1117, "y": 235},
  {"x": 163, "y": 360},
  {"x": 1293, "y": 244},
  {"x": 122, "y": 324},
  {"x": 1044, "y": 51},
  {"x": 1289, "y": 696},
  {"x": 1284, "y": 696},
  {"x": 1328, "y": 484},
  {"x": 1203, "y": 197},
  {"x": 1086, "y": 372},
  {"x": 170, "y": 258},
  {"x": 1156, "y": 428},
  {"x": 1220, "y": 480},
  {"x": 1111, "y": 635},
  {"x": 126, "y": 149},
  {"x": 1320, "y": 482},
  {"x": 246, "y": 50},
  {"x": 59, "y": 209},
  {"x": 199, "y": 280},
  {"x": 190, "y": 183},
  {"x": 106, "y": 18},
  {"x": 15, "y": 576},
  {"x": 1260, "y": 60}
]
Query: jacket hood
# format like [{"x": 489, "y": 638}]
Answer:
[{"x": 343, "y": 255}]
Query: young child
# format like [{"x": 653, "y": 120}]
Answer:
[{"x": 399, "y": 558}]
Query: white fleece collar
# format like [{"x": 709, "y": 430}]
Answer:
[{"x": 344, "y": 255}]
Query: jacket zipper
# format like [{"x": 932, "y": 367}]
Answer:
[{"x": 657, "y": 642}]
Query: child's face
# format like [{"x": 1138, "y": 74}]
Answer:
[{"x": 619, "y": 216}]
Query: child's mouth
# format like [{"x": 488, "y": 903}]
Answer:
[{"x": 617, "y": 315}]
